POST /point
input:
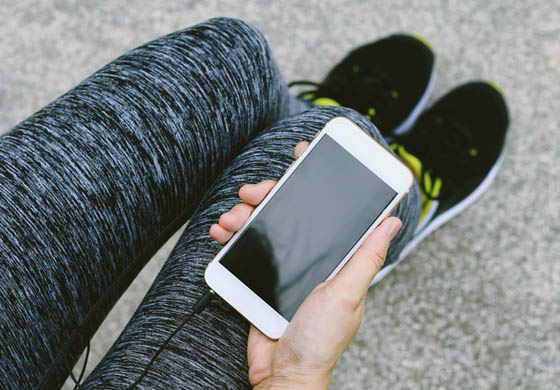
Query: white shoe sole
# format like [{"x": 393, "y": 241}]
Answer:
[{"x": 443, "y": 218}]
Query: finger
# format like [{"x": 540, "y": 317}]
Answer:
[
  {"x": 234, "y": 219},
  {"x": 260, "y": 350},
  {"x": 300, "y": 148},
  {"x": 253, "y": 194},
  {"x": 258, "y": 336},
  {"x": 220, "y": 234},
  {"x": 355, "y": 277}
]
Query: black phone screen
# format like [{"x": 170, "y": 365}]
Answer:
[{"x": 308, "y": 227}]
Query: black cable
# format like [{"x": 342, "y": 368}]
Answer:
[
  {"x": 83, "y": 367},
  {"x": 73, "y": 379},
  {"x": 198, "y": 307},
  {"x": 77, "y": 382}
]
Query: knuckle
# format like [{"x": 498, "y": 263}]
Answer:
[
  {"x": 226, "y": 219},
  {"x": 375, "y": 257},
  {"x": 237, "y": 207},
  {"x": 342, "y": 298},
  {"x": 269, "y": 183},
  {"x": 243, "y": 211}
]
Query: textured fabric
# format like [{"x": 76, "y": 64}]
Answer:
[
  {"x": 93, "y": 184},
  {"x": 210, "y": 351}
]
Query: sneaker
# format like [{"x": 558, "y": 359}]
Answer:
[
  {"x": 388, "y": 81},
  {"x": 455, "y": 150}
]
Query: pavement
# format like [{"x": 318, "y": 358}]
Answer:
[{"x": 477, "y": 304}]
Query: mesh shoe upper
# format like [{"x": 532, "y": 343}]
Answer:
[
  {"x": 458, "y": 141},
  {"x": 383, "y": 80}
]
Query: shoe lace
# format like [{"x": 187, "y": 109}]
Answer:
[
  {"x": 444, "y": 146},
  {"x": 366, "y": 90}
]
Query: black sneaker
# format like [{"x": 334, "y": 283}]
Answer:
[
  {"x": 388, "y": 81},
  {"x": 455, "y": 150}
]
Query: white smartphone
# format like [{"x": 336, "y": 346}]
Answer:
[{"x": 309, "y": 225}]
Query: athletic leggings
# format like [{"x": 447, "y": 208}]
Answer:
[{"x": 93, "y": 184}]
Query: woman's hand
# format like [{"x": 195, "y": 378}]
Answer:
[{"x": 323, "y": 326}]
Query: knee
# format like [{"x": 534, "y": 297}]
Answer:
[
  {"x": 238, "y": 30},
  {"x": 323, "y": 114}
]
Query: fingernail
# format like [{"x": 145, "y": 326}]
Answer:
[{"x": 394, "y": 228}]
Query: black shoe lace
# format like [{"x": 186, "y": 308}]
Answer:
[
  {"x": 360, "y": 89},
  {"x": 445, "y": 147}
]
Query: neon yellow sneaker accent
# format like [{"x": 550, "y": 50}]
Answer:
[
  {"x": 424, "y": 41},
  {"x": 473, "y": 152},
  {"x": 309, "y": 96},
  {"x": 411, "y": 160},
  {"x": 325, "y": 101},
  {"x": 432, "y": 187},
  {"x": 493, "y": 85},
  {"x": 394, "y": 94},
  {"x": 370, "y": 114}
]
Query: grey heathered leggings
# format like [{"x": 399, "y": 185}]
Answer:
[{"x": 94, "y": 183}]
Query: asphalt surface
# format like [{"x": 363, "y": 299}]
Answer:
[{"x": 476, "y": 305}]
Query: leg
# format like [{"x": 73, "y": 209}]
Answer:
[
  {"x": 93, "y": 184},
  {"x": 210, "y": 351}
]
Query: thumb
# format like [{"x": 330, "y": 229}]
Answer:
[{"x": 355, "y": 277}]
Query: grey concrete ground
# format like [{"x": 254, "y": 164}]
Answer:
[{"x": 475, "y": 306}]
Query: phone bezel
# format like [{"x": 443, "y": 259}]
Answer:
[{"x": 370, "y": 153}]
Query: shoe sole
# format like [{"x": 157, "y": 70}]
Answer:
[
  {"x": 443, "y": 218},
  {"x": 407, "y": 124}
]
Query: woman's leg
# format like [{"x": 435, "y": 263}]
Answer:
[
  {"x": 93, "y": 184},
  {"x": 210, "y": 351}
]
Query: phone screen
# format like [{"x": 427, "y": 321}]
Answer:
[{"x": 308, "y": 227}]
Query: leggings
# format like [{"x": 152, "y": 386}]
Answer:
[{"x": 92, "y": 185}]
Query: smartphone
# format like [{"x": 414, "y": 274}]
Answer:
[{"x": 309, "y": 225}]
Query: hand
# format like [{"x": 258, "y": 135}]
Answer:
[{"x": 326, "y": 322}]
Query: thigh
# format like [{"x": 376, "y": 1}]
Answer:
[
  {"x": 93, "y": 184},
  {"x": 210, "y": 351}
]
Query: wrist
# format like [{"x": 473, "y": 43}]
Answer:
[{"x": 295, "y": 382}]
